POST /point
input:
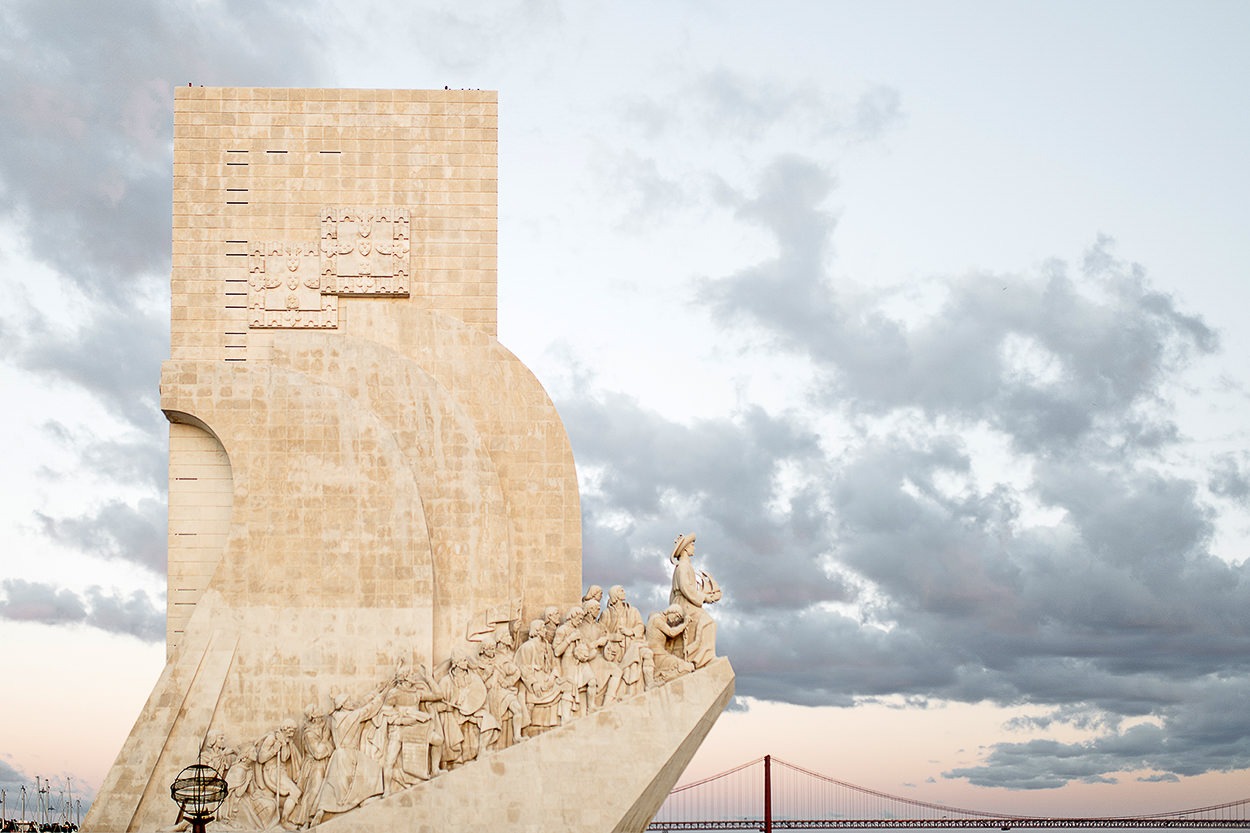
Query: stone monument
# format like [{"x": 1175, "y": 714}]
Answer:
[{"x": 376, "y": 617}]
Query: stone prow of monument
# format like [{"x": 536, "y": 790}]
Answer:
[{"x": 358, "y": 470}]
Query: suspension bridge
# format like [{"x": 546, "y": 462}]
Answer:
[{"x": 769, "y": 794}]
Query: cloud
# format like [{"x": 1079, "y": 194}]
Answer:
[
  {"x": 12, "y": 780},
  {"x": 136, "y": 460},
  {"x": 37, "y": 602},
  {"x": 720, "y": 477},
  {"x": 116, "y": 530},
  {"x": 462, "y": 38},
  {"x": 908, "y": 561},
  {"x": 86, "y": 98},
  {"x": 647, "y": 192},
  {"x": 1229, "y": 477},
  {"x": 112, "y": 354},
  {"x": 9, "y": 775},
  {"x": 63, "y": 786},
  {"x": 724, "y": 123},
  {"x": 1051, "y": 360},
  {"x": 1209, "y": 732},
  {"x": 132, "y": 614},
  {"x": 726, "y": 105}
]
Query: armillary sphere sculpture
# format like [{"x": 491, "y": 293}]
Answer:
[{"x": 198, "y": 791}]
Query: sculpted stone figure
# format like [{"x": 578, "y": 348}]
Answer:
[
  {"x": 551, "y": 622},
  {"x": 217, "y": 753},
  {"x": 626, "y": 645},
  {"x": 278, "y": 764},
  {"x": 410, "y": 728},
  {"x": 415, "y": 741},
  {"x": 537, "y": 665},
  {"x": 318, "y": 746},
  {"x": 353, "y": 775},
  {"x": 692, "y": 590},
  {"x": 400, "y": 725},
  {"x": 244, "y": 807},
  {"x": 467, "y": 723},
  {"x": 595, "y": 636},
  {"x": 502, "y": 677},
  {"x": 664, "y": 634},
  {"x": 579, "y": 679}
]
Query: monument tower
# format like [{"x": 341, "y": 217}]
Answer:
[{"x": 362, "y": 479}]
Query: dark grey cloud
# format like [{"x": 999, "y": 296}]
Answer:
[
  {"x": 889, "y": 566},
  {"x": 1052, "y": 359},
  {"x": 86, "y": 95},
  {"x": 137, "y": 460},
  {"x": 86, "y": 99},
  {"x": 1230, "y": 477},
  {"x": 112, "y": 354},
  {"x": 116, "y": 530},
  {"x": 12, "y": 780},
  {"x": 968, "y": 604},
  {"x": 26, "y": 601},
  {"x": 9, "y": 775},
  {"x": 1211, "y": 732},
  {"x": 717, "y": 476},
  {"x": 133, "y": 614}
]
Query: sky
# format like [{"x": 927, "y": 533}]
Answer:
[{"x": 925, "y": 317}]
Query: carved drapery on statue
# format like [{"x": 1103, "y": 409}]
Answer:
[
  {"x": 692, "y": 589},
  {"x": 413, "y": 727}
]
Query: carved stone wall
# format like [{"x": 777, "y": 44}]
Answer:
[
  {"x": 393, "y": 472},
  {"x": 363, "y": 479},
  {"x": 201, "y": 496},
  {"x": 364, "y": 251}
]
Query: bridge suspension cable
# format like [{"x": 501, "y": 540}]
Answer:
[{"x": 768, "y": 793}]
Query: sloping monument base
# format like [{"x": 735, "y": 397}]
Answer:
[{"x": 609, "y": 771}]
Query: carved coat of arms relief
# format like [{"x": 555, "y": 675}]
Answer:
[
  {"x": 284, "y": 288},
  {"x": 361, "y": 252},
  {"x": 364, "y": 251}
]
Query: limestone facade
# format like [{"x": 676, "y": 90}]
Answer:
[
  {"x": 275, "y": 191},
  {"x": 358, "y": 468},
  {"x": 366, "y": 486}
]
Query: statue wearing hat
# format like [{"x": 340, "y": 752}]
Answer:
[{"x": 692, "y": 589}]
